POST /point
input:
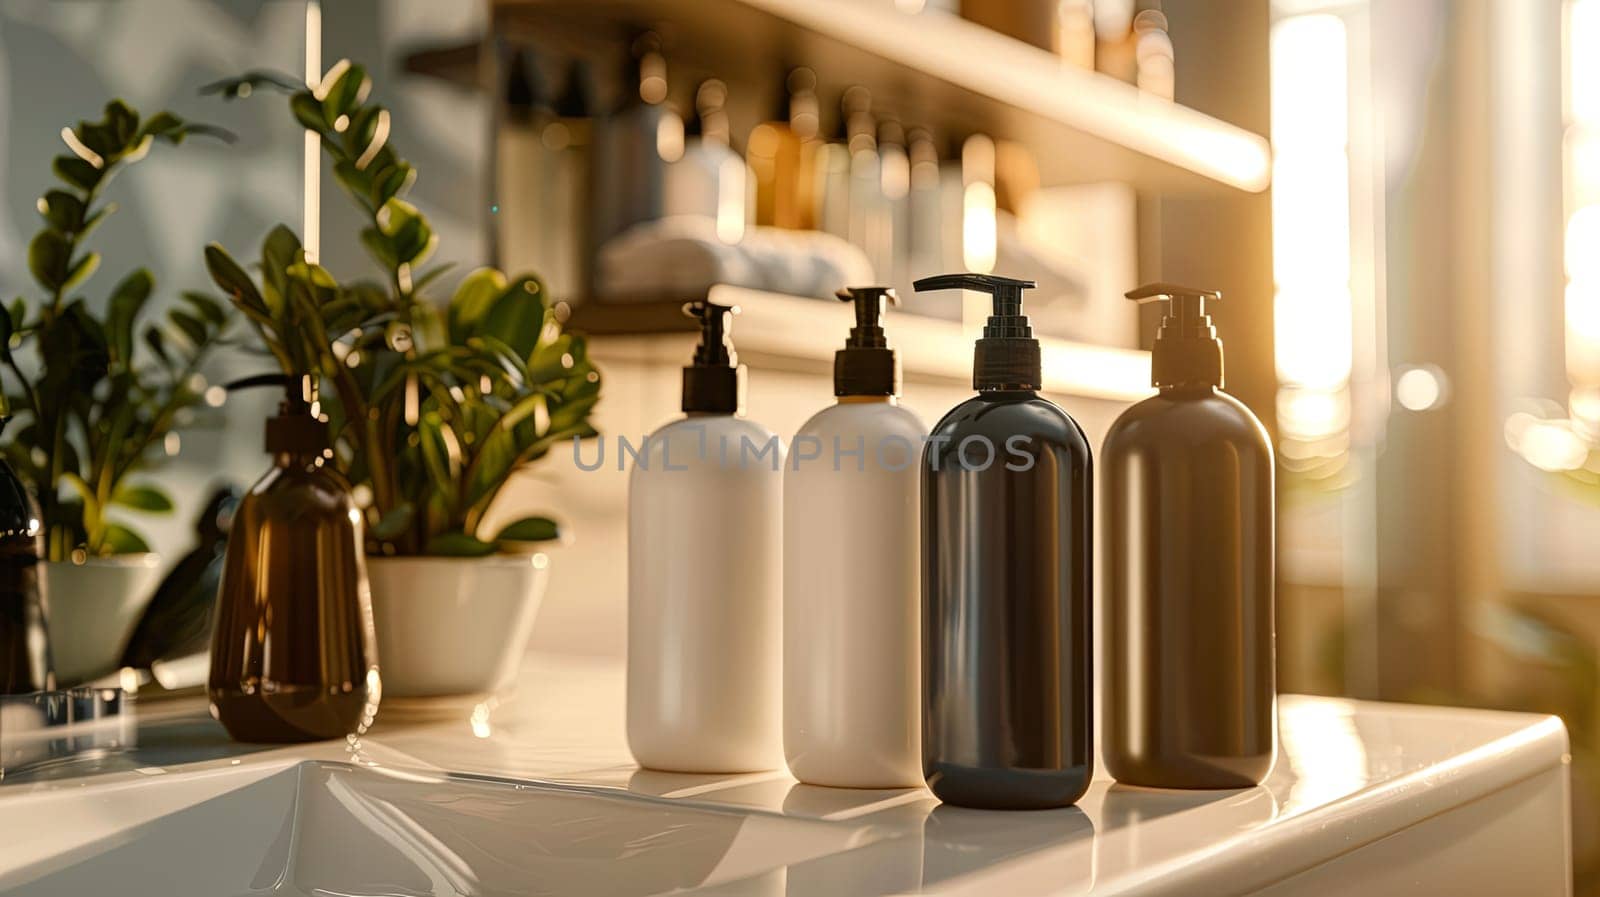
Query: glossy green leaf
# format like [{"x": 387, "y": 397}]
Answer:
[
  {"x": 162, "y": 123},
  {"x": 232, "y": 278},
  {"x": 246, "y": 84},
  {"x": 76, "y": 172},
  {"x": 349, "y": 86},
  {"x": 122, "y": 122},
  {"x": 190, "y": 326},
  {"x": 530, "y": 529},
  {"x": 142, "y": 498},
  {"x": 158, "y": 345},
  {"x": 48, "y": 259},
  {"x": 62, "y": 211},
  {"x": 458, "y": 545},
  {"x": 120, "y": 539},
  {"x": 474, "y": 296},
  {"x": 127, "y": 299},
  {"x": 391, "y": 182},
  {"x": 100, "y": 138},
  {"x": 517, "y": 316},
  {"x": 81, "y": 270},
  {"x": 394, "y": 523},
  {"x": 206, "y": 307},
  {"x": 407, "y": 230},
  {"x": 308, "y": 111}
]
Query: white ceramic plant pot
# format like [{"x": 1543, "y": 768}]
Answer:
[
  {"x": 94, "y": 607},
  {"x": 453, "y": 626}
]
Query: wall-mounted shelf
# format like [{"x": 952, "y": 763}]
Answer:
[
  {"x": 929, "y": 68},
  {"x": 802, "y": 329}
]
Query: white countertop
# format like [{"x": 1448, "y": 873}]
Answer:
[{"x": 1348, "y": 775}]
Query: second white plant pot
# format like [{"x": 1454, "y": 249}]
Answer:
[
  {"x": 94, "y": 607},
  {"x": 454, "y": 626}
]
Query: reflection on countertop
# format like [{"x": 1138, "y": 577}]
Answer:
[{"x": 538, "y": 794}]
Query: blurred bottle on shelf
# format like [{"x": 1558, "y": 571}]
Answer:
[
  {"x": 1074, "y": 33},
  {"x": 1153, "y": 56},
  {"x": 924, "y": 218},
  {"x": 542, "y": 202},
  {"x": 867, "y": 210},
  {"x": 889, "y": 246},
  {"x": 1133, "y": 44},
  {"x": 709, "y": 181},
  {"x": 1030, "y": 21},
  {"x": 634, "y": 145},
  {"x": 831, "y": 178},
  {"x": 781, "y": 153},
  {"x": 1114, "y": 41}
]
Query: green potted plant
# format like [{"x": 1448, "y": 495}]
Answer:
[
  {"x": 98, "y": 396},
  {"x": 433, "y": 407}
]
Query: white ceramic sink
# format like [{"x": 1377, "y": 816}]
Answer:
[{"x": 321, "y": 828}]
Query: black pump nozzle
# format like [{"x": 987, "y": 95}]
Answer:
[
  {"x": 1007, "y": 356},
  {"x": 866, "y": 366},
  {"x": 300, "y": 427},
  {"x": 1187, "y": 351},
  {"x": 711, "y": 383}
]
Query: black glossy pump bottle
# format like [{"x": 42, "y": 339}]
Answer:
[
  {"x": 1007, "y": 498},
  {"x": 1191, "y": 700}
]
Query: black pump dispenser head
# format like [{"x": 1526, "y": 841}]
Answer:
[
  {"x": 300, "y": 427},
  {"x": 1187, "y": 351},
  {"x": 711, "y": 384},
  {"x": 866, "y": 366},
  {"x": 1007, "y": 356}
]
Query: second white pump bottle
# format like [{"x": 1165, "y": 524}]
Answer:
[
  {"x": 703, "y": 581},
  {"x": 851, "y": 561}
]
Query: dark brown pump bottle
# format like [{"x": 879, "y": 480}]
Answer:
[
  {"x": 1007, "y": 580},
  {"x": 24, "y": 637},
  {"x": 293, "y": 654},
  {"x": 1192, "y": 696}
]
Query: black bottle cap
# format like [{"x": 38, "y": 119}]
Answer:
[
  {"x": 711, "y": 384},
  {"x": 577, "y": 96},
  {"x": 866, "y": 366},
  {"x": 300, "y": 427},
  {"x": 1187, "y": 351},
  {"x": 1007, "y": 356},
  {"x": 525, "y": 96}
]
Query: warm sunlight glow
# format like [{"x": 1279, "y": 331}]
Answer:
[
  {"x": 1314, "y": 337},
  {"x": 1583, "y": 61},
  {"x": 1313, "y": 328},
  {"x": 979, "y": 230},
  {"x": 1582, "y": 239},
  {"x": 1309, "y": 84},
  {"x": 1312, "y": 414},
  {"x": 1418, "y": 389},
  {"x": 1583, "y": 245}
]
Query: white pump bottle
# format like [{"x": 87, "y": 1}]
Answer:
[
  {"x": 704, "y": 578},
  {"x": 851, "y": 587}
]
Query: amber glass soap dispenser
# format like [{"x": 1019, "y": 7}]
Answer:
[
  {"x": 1007, "y": 580},
  {"x": 293, "y": 654},
  {"x": 1192, "y": 696}
]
